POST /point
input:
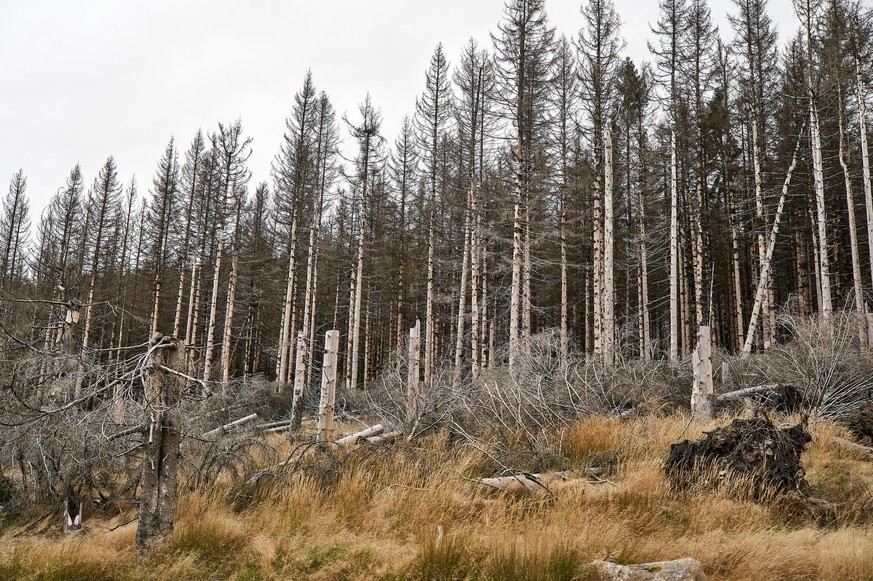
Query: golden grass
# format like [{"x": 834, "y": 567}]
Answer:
[{"x": 376, "y": 515}]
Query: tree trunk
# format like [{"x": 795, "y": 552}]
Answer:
[
  {"x": 328, "y": 386},
  {"x": 161, "y": 458},
  {"x": 287, "y": 308},
  {"x": 608, "y": 256},
  {"x": 213, "y": 313},
  {"x": 228, "y": 324},
  {"x": 702, "y": 392},
  {"x": 764, "y": 275},
  {"x": 853, "y": 232},
  {"x": 674, "y": 254}
]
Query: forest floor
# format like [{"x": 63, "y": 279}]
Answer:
[{"x": 416, "y": 511}]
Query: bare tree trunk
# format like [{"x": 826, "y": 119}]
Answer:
[
  {"x": 674, "y": 254},
  {"x": 413, "y": 371},
  {"x": 736, "y": 272},
  {"x": 213, "y": 308},
  {"x": 762, "y": 224},
  {"x": 328, "y": 386},
  {"x": 853, "y": 232},
  {"x": 517, "y": 251},
  {"x": 475, "y": 249},
  {"x": 297, "y": 399},
  {"x": 565, "y": 335},
  {"x": 161, "y": 458},
  {"x": 702, "y": 391},
  {"x": 825, "y": 305},
  {"x": 764, "y": 276},
  {"x": 525, "y": 285},
  {"x": 287, "y": 308},
  {"x": 359, "y": 287},
  {"x": 608, "y": 256},
  {"x": 228, "y": 325},
  {"x": 597, "y": 264},
  {"x": 462, "y": 295},
  {"x": 865, "y": 156},
  {"x": 645, "y": 324}
]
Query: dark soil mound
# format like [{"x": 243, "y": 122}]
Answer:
[{"x": 754, "y": 451}]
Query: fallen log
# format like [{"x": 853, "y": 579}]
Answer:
[
  {"x": 280, "y": 428},
  {"x": 384, "y": 438},
  {"x": 272, "y": 424},
  {"x": 517, "y": 484},
  {"x": 352, "y": 439},
  {"x": 741, "y": 393},
  {"x": 848, "y": 445},
  {"x": 234, "y": 424}
]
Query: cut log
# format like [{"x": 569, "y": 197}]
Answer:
[
  {"x": 352, "y": 439},
  {"x": 221, "y": 430}
]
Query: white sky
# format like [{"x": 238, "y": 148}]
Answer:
[{"x": 83, "y": 79}]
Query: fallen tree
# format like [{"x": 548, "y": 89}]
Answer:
[{"x": 754, "y": 452}]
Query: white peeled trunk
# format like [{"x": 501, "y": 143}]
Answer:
[
  {"x": 825, "y": 305},
  {"x": 213, "y": 310},
  {"x": 359, "y": 288},
  {"x": 287, "y": 308},
  {"x": 414, "y": 369},
  {"x": 517, "y": 251},
  {"x": 702, "y": 390},
  {"x": 328, "y": 386},
  {"x": 228, "y": 324},
  {"x": 674, "y": 254},
  {"x": 853, "y": 233},
  {"x": 608, "y": 337},
  {"x": 759, "y": 214},
  {"x": 764, "y": 275},
  {"x": 462, "y": 297}
]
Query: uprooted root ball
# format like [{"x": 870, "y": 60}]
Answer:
[{"x": 766, "y": 459}]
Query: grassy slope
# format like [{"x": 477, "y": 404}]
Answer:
[{"x": 375, "y": 514}]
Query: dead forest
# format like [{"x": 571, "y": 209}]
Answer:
[{"x": 556, "y": 232}]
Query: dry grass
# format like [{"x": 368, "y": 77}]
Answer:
[{"x": 375, "y": 514}]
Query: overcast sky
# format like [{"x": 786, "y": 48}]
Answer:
[{"x": 83, "y": 79}]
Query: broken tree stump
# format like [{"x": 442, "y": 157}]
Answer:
[
  {"x": 163, "y": 389},
  {"x": 328, "y": 386},
  {"x": 701, "y": 391}
]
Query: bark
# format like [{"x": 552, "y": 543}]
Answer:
[{"x": 161, "y": 457}]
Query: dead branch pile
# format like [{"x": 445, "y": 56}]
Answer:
[{"x": 766, "y": 458}]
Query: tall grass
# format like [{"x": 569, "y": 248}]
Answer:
[{"x": 415, "y": 512}]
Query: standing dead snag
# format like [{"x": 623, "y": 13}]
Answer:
[
  {"x": 701, "y": 392},
  {"x": 328, "y": 386},
  {"x": 163, "y": 387}
]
